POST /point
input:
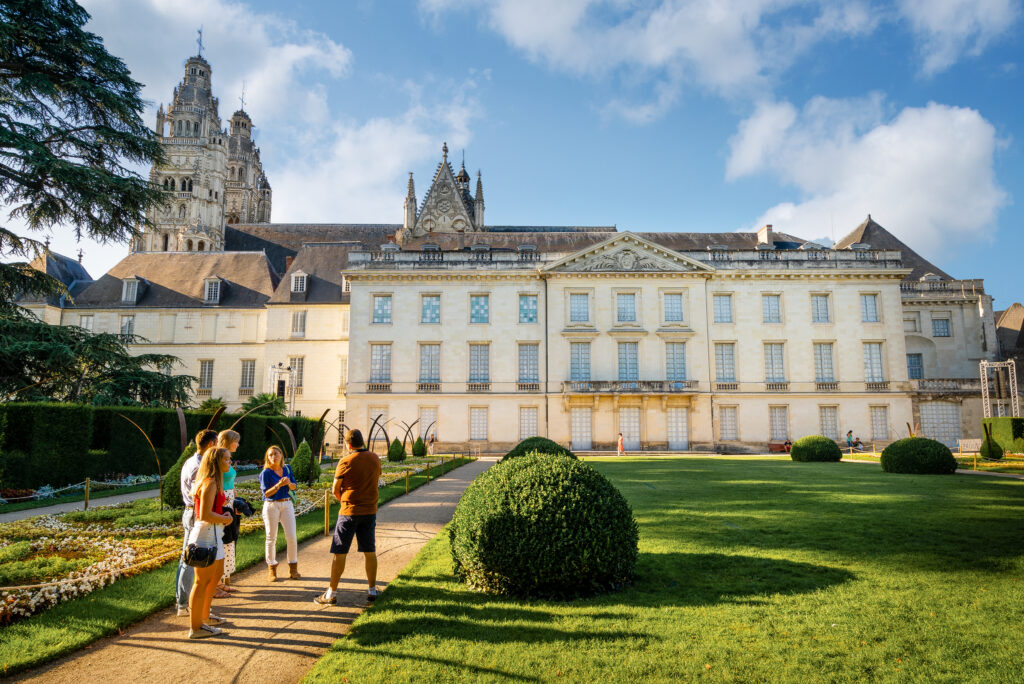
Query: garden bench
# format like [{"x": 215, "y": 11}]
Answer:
[{"x": 776, "y": 448}]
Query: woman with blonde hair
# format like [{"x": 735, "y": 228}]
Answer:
[
  {"x": 208, "y": 495},
  {"x": 228, "y": 439},
  {"x": 277, "y": 483}
]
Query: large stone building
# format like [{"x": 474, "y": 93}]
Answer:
[{"x": 488, "y": 334}]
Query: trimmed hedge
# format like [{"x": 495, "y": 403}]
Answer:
[
  {"x": 59, "y": 444},
  {"x": 170, "y": 488},
  {"x": 1008, "y": 433},
  {"x": 540, "y": 445},
  {"x": 815, "y": 448},
  {"x": 993, "y": 454},
  {"x": 918, "y": 455},
  {"x": 419, "y": 449},
  {"x": 396, "y": 452},
  {"x": 302, "y": 464},
  {"x": 546, "y": 527}
]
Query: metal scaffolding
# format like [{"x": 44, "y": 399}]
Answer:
[{"x": 986, "y": 400}]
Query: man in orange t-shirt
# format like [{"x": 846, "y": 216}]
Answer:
[{"x": 355, "y": 487}]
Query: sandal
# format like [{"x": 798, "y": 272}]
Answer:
[
  {"x": 221, "y": 594},
  {"x": 226, "y": 587}
]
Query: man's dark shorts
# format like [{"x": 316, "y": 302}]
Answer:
[{"x": 359, "y": 526}]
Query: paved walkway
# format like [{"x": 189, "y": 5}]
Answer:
[
  {"x": 77, "y": 505},
  {"x": 276, "y": 632}
]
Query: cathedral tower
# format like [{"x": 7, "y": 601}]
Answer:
[
  {"x": 248, "y": 193},
  {"x": 195, "y": 151}
]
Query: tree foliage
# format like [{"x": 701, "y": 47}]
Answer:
[
  {"x": 274, "y": 405},
  {"x": 42, "y": 362},
  {"x": 211, "y": 404},
  {"x": 70, "y": 126}
]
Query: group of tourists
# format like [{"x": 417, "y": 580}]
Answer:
[{"x": 213, "y": 511}]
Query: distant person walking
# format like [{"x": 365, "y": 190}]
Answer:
[
  {"x": 621, "y": 446},
  {"x": 430, "y": 444},
  {"x": 228, "y": 439},
  {"x": 186, "y": 574},
  {"x": 208, "y": 501},
  {"x": 277, "y": 483},
  {"x": 355, "y": 487}
]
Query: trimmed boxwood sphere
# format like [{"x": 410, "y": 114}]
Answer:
[
  {"x": 918, "y": 455},
  {"x": 543, "y": 527},
  {"x": 993, "y": 454},
  {"x": 815, "y": 448},
  {"x": 540, "y": 445}
]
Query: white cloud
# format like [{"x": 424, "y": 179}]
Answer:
[
  {"x": 728, "y": 46},
  {"x": 947, "y": 29},
  {"x": 925, "y": 173},
  {"x": 357, "y": 171}
]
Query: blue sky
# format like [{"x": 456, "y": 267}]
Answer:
[{"x": 710, "y": 115}]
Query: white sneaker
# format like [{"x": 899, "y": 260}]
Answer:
[
  {"x": 182, "y": 611},
  {"x": 216, "y": 618},
  {"x": 371, "y": 594},
  {"x": 211, "y": 629},
  {"x": 198, "y": 634}
]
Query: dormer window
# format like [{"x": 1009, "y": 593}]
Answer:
[
  {"x": 129, "y": 290},
  {"x": 211, "y": 291},
  {"x": 346, "y": 284},
  {"x": 389, "y": 247},
  {"x": 298, "y": 282}
]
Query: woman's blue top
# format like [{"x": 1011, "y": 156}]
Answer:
[
  {"x": 268, "y": 478},
  {"x": 229, "y": 478}
]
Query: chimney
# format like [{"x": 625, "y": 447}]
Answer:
[
  {"x": 288, "y": 263},
  {"x": 765, "y": 237}
]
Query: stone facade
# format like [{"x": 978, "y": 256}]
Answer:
[{"x": 488, "y": 334}]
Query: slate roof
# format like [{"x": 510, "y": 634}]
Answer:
[
  {"x": 322, "y": 263},
  {"x": 63, "y": 268},
  {"x": 176, "y": 279},
  {"x": 282, "y": 240},
  {"x": 871, "y": 233}
]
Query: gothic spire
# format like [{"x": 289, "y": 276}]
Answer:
[{"x": 479, "y": 187}]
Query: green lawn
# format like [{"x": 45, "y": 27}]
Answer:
[
  {"x": 74, "y": 624},
  {"x": 750, "y": 569}
]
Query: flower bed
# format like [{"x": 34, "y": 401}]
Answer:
[{"x": 51, "y": 558}]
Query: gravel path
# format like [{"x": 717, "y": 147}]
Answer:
[{"x": 276, "y": 632}]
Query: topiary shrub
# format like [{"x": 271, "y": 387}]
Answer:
[
  {"x": 396, "y": 452},
  {"x": 170, "y": 488},
  {"x": 545, "y": 527},
  {"x": 302, "y": 464},
  {"x": 541, "y": 445},
  {"x": 918, "y": 455},
  {"x": 815, "y": 448},
  {"x": 993, "y": 454},
  {"x": 419, "y": 449}
]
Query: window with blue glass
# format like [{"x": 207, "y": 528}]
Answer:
[
  {"x": 673, "y": 307},
  {"x": 675, "y": 361},
  {"x": 381, "y": 308},
  {"x": 479, "y": 363},
  {"x": 940, "y": 327},
  {"x": 527, "y": 308},
  {"x": 579, "y": 361},
  {"x": 430, "y": 309},
  {"x": 915, "y": 366},
  {"x": 629, "y": 361},
  {"x": 625, "y": 307},
  {"x": 579, "y": 308},
  {"x": 479, "y": 308}
]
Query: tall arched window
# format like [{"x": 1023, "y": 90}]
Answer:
[
  {"x": 190, "y": 185},
  {"x": 172, "y": 185},
  {"x": 201, "y": 245},
  {"x": 165, "y": 183},
  {"x": 179, "y": 128},
  {"x": 188, "y": 245},
  {"x": 166, "y": 239},
  {"x": 181, "y": 212}
]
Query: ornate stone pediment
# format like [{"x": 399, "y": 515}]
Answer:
[
  {"x": 444, "y": 208},
  {"x": 628, "y": 253}
]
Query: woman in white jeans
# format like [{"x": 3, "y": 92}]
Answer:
[{"x": 277, "y": 481}]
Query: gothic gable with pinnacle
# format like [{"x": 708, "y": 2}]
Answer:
[
  {"x": 444, "y": 208},
  {"x": 628, "y": 253}
]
